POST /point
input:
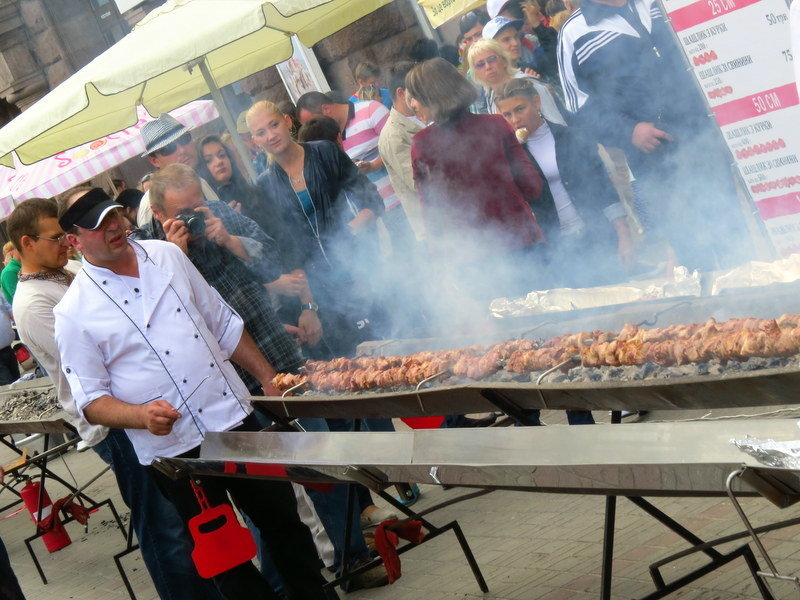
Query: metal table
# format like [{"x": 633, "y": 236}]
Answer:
[
  {"x": 764, "y": 387},
  {"x": 666, "y": 459},
  {"x": 55, "y": 424}
]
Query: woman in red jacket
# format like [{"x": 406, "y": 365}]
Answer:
[{"x": 476, "y": 186}]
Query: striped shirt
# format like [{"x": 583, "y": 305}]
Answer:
[{"x": 361, "y": 144}]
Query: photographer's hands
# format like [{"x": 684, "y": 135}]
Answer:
[{"x": 177, "y": 233}]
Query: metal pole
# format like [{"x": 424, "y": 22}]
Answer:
[
  {"x": 230, "y": 124},
  {"x": 609, "y": 526},
  {"x": 424, "y": 24}
]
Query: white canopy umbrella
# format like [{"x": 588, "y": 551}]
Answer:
[
  {"x": 68, "y": 168},
  {"x": 176, "y": 54}
]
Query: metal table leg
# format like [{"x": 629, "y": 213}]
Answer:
[
  {"x": 773, "y": 572},
  {"x": 130, "y": 547},
  {"x": 609, "y": 526}
]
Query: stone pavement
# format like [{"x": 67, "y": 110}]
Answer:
[{"x": 529, "y": 546}]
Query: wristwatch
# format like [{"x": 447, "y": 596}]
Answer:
[{"x": 310, "y": 306}]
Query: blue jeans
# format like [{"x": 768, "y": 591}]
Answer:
[
  {"x": 574, "y": 417},
  {"x": 378, "y": 424},
  {"x": 163, "y": 539}
]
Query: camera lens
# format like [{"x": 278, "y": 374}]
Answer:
[{"x": 196, "y": 225}]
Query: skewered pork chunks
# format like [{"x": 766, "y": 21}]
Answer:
[{"x": 731, "y": 340}]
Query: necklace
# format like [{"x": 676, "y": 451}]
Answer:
[
  {"x": 295, "y": 171},
  {"x": 61, "y": 276},
  {"x": 298, "y": 181}
]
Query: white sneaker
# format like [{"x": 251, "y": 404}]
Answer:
[{"x": 376, "y": 517}]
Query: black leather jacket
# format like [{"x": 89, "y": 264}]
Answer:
[
  {"x": 585, "y": 178},
  {"x": 321, "y": 241}
]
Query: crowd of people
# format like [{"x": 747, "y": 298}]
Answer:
[{"x": 445, "y": 180}]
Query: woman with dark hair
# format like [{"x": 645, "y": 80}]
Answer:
[
  {"x": 476, "y": 187},
  {"x": 218, "y": 168}
]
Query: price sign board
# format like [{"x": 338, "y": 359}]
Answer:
[{"x": 740, "y": 52}]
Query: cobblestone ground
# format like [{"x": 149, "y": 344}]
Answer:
[{"x": 531, "y": 546}]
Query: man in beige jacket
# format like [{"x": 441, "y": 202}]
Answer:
[{"x": 394, "y": 146}]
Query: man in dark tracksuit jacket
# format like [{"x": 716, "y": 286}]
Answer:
[{"x": 626, "y": 83}]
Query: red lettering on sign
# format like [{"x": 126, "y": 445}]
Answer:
[
  {"x": 704, "y": 10},
  {"x": 779, "y": 206},
  {"x": 757, "y": 104}
]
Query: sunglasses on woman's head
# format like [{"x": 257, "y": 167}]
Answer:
[
  {"x": 172, "y": 147},
  {"x": 489, "y": 60}
]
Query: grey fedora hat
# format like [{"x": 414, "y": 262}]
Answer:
[{"x": 160, "y": 132}]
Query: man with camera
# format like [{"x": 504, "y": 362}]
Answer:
[{"x": 234, "y": 255}]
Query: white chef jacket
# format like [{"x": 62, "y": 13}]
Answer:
[
  {"x": 33, "y": 305},
  {"x": 154, "y": 337}
]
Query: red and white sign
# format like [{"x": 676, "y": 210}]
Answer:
[{"x": 740, "y": 52}]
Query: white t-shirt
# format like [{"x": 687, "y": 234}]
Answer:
[
  {"x": 33, "y": 310},
  {"x": 542, "y": 145}
]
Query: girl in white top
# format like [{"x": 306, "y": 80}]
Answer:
[{"x": 589, "y": 213}]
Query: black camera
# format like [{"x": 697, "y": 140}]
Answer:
[{"x": 195, "y": 222}]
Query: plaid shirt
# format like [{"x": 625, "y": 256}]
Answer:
[{"x": 241, "y": 284}]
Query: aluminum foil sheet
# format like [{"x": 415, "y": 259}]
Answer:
[
  {"x": 683, "y": 283},
  {"x": 783, "y": 455},
  {"x": 754, "y": 274}
]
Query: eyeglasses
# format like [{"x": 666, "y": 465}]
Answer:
[
  {"x": 58, "y": 239},
  {"x": 172, "y": 147},
  {"x": 489, "y": 60}
]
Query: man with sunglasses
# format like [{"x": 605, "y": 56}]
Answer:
[{"x": 167, "y": 142}]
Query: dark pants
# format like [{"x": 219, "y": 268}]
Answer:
[
  {"x": 574, "y": 417},
  {"x": 364, "y": 498},
  {"x": 531, "y": 417},
  {"x": 163, "y": 539},
  {"x": 9, "y": 586},
  {"x": 272, "y": 507},
  {"x": 331, "y": 508},
  {"x": 9, "y": 367}
]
